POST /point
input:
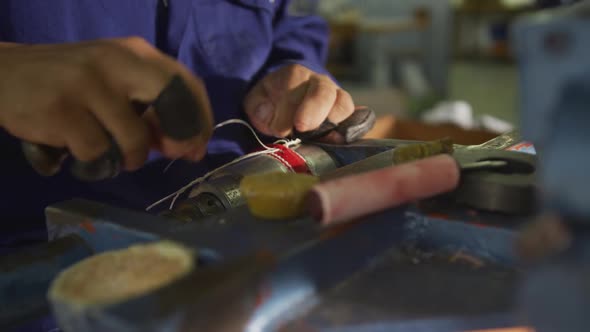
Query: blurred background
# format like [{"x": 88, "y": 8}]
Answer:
[{"x": 434, "y": 61}]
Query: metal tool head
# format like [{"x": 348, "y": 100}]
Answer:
[
  {"x": 351, "y": 129},
  {"x": 507, "y": 187}
]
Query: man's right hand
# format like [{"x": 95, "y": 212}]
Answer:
[{"x": 77, "y": 95}]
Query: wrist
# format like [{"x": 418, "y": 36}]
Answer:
[{"x": 311, "y": 65}]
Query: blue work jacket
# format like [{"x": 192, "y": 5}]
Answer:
[{"x": 228, "y": 43}]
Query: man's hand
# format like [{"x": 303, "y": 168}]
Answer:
[
  {"x": 295, "y": 97},
  {"x": 78, "y": 95}
]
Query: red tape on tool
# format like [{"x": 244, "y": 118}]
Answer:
[{"x": 289, "y": 158}]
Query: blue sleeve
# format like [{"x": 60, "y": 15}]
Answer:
[{"x": 298, "y": 38}]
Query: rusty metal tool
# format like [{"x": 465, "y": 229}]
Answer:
[
  {"x": 510, "y": 187},
  {"x": 221, "y": 191},
  {"x": 405, "y": 152},
  {"x": 491, "y": 179},
  {"x": 412, "y": 152}
]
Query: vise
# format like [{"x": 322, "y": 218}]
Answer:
[{"x": 246, "y": 290}]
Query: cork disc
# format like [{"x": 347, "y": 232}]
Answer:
[
  {"x": 277, "y": 195},
  {"x": 119, "y": 275}
]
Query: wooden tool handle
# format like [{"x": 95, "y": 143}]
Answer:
[{"x": 347, "y": 198}]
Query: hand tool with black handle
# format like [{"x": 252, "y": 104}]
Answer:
[
  {"x": 352, "y": 128},
  {"x": 180, "y": 118}
]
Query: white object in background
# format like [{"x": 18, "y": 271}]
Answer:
[
  {"x": 493, "y": 124},
  {"x": 458, "y": 113},
  {"x": 413, "y": 79}
]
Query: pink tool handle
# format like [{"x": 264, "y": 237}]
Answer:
[{"x": 351, "y": 197}]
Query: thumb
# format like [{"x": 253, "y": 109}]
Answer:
[{"x": 260, "y": 109}]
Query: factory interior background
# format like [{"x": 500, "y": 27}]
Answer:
[{"x": 430, "y": 60}]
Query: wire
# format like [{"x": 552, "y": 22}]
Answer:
[{"x": 267, "y": 150}]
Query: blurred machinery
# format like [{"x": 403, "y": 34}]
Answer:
[
  {"x": 554, "y": 51},
  {"x": 409, "y": 44},
  {"x": 554, "y": 54}
]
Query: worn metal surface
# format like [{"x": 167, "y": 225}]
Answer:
[
  {"x": 372, "y": 163},
  {"x": 228, "y": 292},
  {"x": 317, "y": 159},
  {"x": 500, "y": 323},
  {"x": 501, "y": 142},
  {"x": 511, "y": 189},
  {"x": 301, "y": 276},
  {"x": 304, "y": 250},
  {"x": 405, "y": 151},
  {"x": 25, "y": 276},
  {"x": 410, "y": 284},
  {"x": 221, "y": 191},
  {"x": 443, "y": 277}
]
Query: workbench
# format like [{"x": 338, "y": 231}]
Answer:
[{"x": 445, "y": 271}]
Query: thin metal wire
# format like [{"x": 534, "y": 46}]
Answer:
[{"x": 267, "y": 150}]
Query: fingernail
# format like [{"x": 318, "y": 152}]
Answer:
[{"x": 264, "y": 113}]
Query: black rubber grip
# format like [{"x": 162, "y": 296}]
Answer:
[
  {"x": 357, "y": 125},
  {"x": 352, "y": 129},
  {"x": 325, "y": 128},
  {"x": 180, "y": 116}
]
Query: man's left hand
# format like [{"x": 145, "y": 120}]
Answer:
[{"x": 296, "y": 98}]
